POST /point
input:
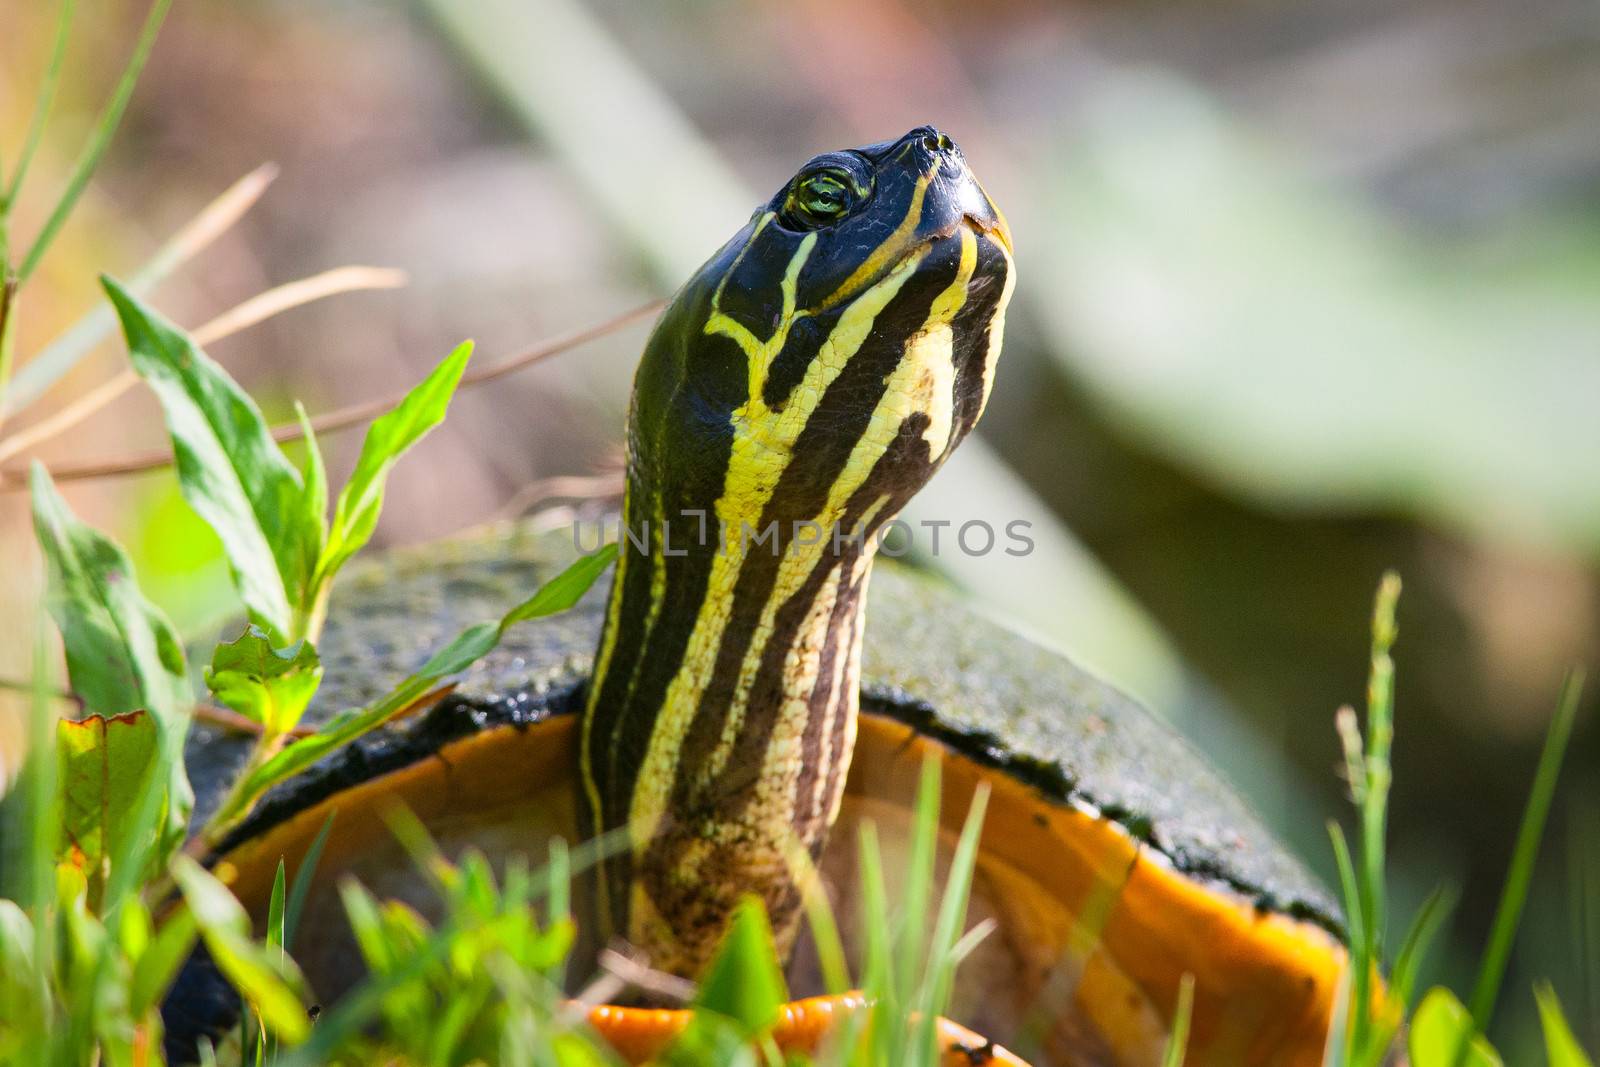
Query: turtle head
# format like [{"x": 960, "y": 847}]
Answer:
[
  {"x": 863, "y": 302},
  {"x": 848, "y": 219}
]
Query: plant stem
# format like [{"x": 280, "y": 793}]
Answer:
[
  {"x": 8, "y": 296},
  {"x": 239, "y": 799}
]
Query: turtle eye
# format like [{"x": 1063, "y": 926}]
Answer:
[{"x": 819, "y": 199}]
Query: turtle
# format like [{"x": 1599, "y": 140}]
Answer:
[{"x": 723, "y": 704}]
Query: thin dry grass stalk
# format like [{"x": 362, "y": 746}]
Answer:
[
  {"x": 15, "y": 478},
  {"x": 45, "y": 369},
  {"x": 257, "y": 309}
]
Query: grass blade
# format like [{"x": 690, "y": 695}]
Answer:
[
  {"x": 241, "y": 316},
  {"x": 107, "y": 124},
  {"x": 1424, "y": 928},
  {"x": 1178, "y": 1043},
  {"x": 939, "y": 978},
  {"x": 275, "y": 912},
  {"x": 1486, "y": 990},
  {"x": 41, "y": 106},
  {"x": 820, "y": 918},
  {"x": 1560, "y": 1044},
  {"x": 911, "y": 942},
  {"x": 1353, "y": 1034},
  {"x": 304, "y": 875},
  {"x": 58, "y": 357},
  {"x": 263, "y": 975}
]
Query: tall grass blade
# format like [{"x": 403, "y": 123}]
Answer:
[
  {"x": 1178, "y": 1042},
  {"x": 42, "y": 816},
  {"x": 304, "y": 875},
  {"x": 1486, "y": 990},
  {"x": 939, "y": 978},
  {"x": 41, "y": 106},
  {"x": 1583, "y": 861},
  {"x": 878, "y": 970},
  {"x": 820, "y": 918},
  {"x": 1352, "y": 1035},
  {"x": 1419, "y": 938},
  {"x": 1560, "y": 1044},
  {"x": 107, "y": 124},
  {"x": 58, "y": 357},
  {"x": 911, "y": 943}
]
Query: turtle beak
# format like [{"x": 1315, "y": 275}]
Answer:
[
  {"x": 993, "y": 225},
  {"x": 985, "y": 216}
]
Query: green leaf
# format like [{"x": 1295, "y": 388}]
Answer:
[
  {"x": 339, "y": 731},
  {"x": 157, "y": 966},
  {"x": 230, "y": 469},
  {"x": 1560, "y": 1045},
  {"x": 466, "y": 649},
  {"x": 267, "y": 685},
  {"x": 314, "y": 513},
  {"x": 387, "y": 440},
  {"x": 104, "y": 767},
  {"x": 122, "y": 654},
  {"x": 1440, "y": 1027},
  {"x": 469, "y": 646},
  {"x": 264, "y": 977},
  {"x": 564, "y": 590},
  {"x": 745, "y": 980},
  {"x": 348, "y": 725}
]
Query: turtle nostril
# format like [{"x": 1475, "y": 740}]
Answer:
[{"x": 933, "y": 142}]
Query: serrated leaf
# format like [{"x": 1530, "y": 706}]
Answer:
[
  {"x": 230, "y": 469},
  {"x": 1561, "y": 1047},
  {"x": 745, "y": 980},
  {"x": 267, "y": 685},
  {"x": 1438, "y": 1030},
  {"x": 104, "y": 767},
  {"x": 356, "y": 513},
  {"x": 263, "y": 976},
  {"x": 353, "y": 723},
  {"x": 122, "y": 653}
]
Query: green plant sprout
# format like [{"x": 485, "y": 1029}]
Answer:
[{"x": 1442, "y": 1031}]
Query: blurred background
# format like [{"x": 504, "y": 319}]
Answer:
[{"x": 1306, "y": 291}]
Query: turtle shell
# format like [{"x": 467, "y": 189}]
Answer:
[{"x": 1114, "y": 859}]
